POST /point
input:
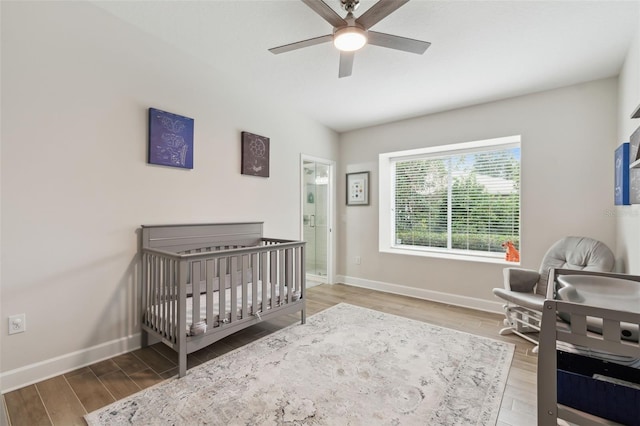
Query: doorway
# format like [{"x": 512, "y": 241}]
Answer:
[{"x": 317, "y": 204}]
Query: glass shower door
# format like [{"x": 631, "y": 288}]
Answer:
[{"x": 315, "y": 215}]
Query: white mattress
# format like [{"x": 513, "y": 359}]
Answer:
[
  {"x": 216, "y": 304},
  {"x": 595, "y": 353}
]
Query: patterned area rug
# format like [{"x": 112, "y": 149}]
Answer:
[{"x": 347, "y": 365}]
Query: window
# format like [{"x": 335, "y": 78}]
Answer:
[{"x": 456, "y": 201}]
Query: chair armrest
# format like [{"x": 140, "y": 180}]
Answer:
[{"x": 520, "y": 280}]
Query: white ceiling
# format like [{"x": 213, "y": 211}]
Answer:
[{"x": 481, "y": 51}]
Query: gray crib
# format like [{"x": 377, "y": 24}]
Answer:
[{"x": 203, "y": 282}]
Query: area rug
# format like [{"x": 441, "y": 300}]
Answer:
[{"x": 346, "y": 365}]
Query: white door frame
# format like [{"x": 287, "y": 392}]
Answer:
[{"x": 331, "y": 191}]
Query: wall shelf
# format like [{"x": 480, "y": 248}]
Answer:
[
  {"x": 635, "y": 165},
  {"x": 636, "y": 112}
]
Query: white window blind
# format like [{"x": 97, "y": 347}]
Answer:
[{"x": 462, "y": 198}]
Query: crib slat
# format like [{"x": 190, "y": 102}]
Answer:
[
  {"x": 175, "y": 298},
  {"x": 264, "y": 267},
  {"x": 163, "y": 296},
  {"x": 274, "y": 277},
  {"x": 222, "y": 274},
  {"x": 171, "y": 300},
  {"x": 578, "y": 324},
  {"x": 154, "y": 300},
  {"x": 246, "y": 263},
  {"x": 234, "y": 288},
  {"x": 294, "y": 273},
  {"x": 147, "y": 285},
  {"x": 300, "y": 270},
  {"x": 289, "y": 274},
  {"x": 281, "y": 274},
  {"x": 145, "y": 277},
  {"x": 611, "y": 330},
  {"x": 151, "y": 291},
  {"x": 209, "y": 264},
  {"x": 254, "y": 285},
  {"x": 168, "y": 300},
  {"x": 195, "y": 289}
]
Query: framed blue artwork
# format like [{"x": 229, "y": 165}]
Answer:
[
  {"x": 622, "y": 175},
  {"x": 170, "y": 139}
]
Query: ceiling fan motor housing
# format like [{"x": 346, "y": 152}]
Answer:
[{"x": 350, "y": 5}]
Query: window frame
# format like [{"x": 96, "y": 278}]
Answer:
[{"x": 386, "y": 187}]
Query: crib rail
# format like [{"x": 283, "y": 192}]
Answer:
[
  {"x": 219, "y": 285},
  {"x": 577, "y": 334}
]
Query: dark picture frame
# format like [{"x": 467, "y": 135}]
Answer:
[
  {"x": 170, "y": 139},
  {"x": 255, "y": 155},
  {"x": 358, "y": 189}
]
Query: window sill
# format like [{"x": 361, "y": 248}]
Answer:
[{"x": 448, "y": 255}]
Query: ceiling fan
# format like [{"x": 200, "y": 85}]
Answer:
[{"x": 351, "y": 34}]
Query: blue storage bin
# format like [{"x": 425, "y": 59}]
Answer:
[{"x": 578, "y": 389}]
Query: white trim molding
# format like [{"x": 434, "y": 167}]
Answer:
[
  {"x": 39, "y": 371},
  {"x": 420, "y": 293}
]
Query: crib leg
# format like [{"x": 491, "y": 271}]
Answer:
[
  {"x": 303, "y": 316},
  {"x": 182, "y": 359}
]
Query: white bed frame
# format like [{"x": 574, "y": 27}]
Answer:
[
  {"x": 260, "y": 278},
  {"x": 609, "y": 341}
]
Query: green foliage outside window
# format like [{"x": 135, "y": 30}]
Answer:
[{"x": 473, "y": 198}]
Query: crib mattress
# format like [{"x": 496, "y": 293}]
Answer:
[
  {"x": 594, "y": 353},
  {"x": 603, "y": 292},
  {"x": 191, "y": 327}
]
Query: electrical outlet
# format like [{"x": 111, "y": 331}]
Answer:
[
  {"x": 17, "y": 323},
  {"x": 358, "y": 260}
]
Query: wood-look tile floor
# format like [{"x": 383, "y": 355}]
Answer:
[{"x": 65, "y": 399}]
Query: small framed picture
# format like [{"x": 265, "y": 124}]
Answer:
[
  {"x": 255, "y": 155},
  {"x": 170, "y": 139},
  {"x": 358, "y": 189}
]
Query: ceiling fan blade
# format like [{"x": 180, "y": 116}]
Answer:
[
  {"x": 301, "y": 44},
  {"x": 346, "y": 64},
  {"x": 328, "y": 14},
  {"x": 379, "y": 11},
  {"x": 397, "y": 42}
]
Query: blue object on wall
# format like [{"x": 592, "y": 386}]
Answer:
[
  {"x": 622, "y": 175},
  {"x": 170, "y": 139}
]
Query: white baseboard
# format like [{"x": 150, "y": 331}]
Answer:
[
  {"x": 419, "y": 293},
  {"x": 33, "y": 373}
]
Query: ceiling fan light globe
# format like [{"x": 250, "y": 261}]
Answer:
[{"x": 349, "y": 39}]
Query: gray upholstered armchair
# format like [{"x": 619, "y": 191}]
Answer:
[{"x": 525, "y": 290}]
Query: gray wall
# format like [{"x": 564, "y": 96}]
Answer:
[
  {"x": 567, "y": 188},
  {"x": 76, "y": 85}
]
